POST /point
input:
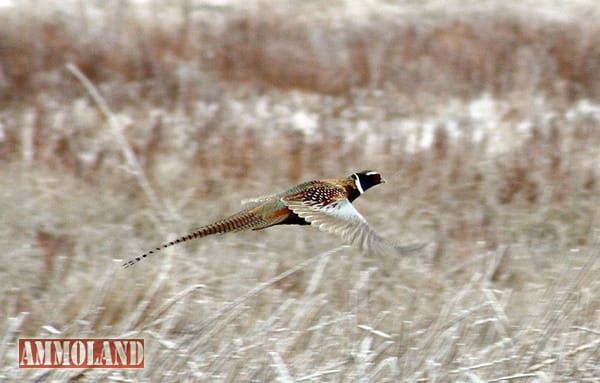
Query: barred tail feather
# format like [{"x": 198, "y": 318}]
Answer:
[{"x": 241, "y": 221}]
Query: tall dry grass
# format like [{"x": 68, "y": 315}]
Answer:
[{"x": 484, "y": 122}]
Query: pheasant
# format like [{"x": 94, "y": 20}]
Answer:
[{"x": 326, "y": 204}]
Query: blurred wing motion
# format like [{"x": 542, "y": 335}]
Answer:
[{"x": 341, "y": 218}]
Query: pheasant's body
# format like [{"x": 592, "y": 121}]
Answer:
[{"x": 324, "y": 203}]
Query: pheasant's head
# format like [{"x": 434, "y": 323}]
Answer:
[{"x": 366, "y": 179}]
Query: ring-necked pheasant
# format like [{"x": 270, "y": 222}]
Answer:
[{"x": 326, "y": 204}]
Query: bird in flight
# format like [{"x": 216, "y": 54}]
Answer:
[{"x": 326, "y": 204}]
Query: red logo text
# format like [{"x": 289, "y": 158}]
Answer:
[{"x": 81, "y": 353}]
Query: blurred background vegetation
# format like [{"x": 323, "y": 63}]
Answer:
[{"x": 483, "y": 117}]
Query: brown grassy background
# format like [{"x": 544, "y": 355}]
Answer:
[{"x": 484, "y": 119}]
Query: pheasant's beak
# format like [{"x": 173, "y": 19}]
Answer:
[{"x": 383, "y": 180}]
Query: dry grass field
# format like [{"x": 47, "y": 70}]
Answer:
[{"x": 126, "y": 123}]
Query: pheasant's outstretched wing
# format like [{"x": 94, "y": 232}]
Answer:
[{"x": 338, "y": 216}]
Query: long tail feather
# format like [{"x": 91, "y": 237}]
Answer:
[{"x": 243, "y": 220}]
